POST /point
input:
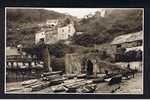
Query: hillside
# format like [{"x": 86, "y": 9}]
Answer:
[
  {"x": 21, "y": 16},
  {"x": 99, "y": 29},
  {"x": 22, "y": 24}
]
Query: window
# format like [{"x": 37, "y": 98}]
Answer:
[
  {"x": 69, "y": 30},
  {"x": 19, "y": 49},
  {"x": 118, "y": 46},
  {"x": 42, "y": 39},
  {"x": 62, "y": 30},
  {"x": 69, "y": 36}
]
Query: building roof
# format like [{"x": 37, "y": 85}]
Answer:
[
  {"x": 78, "y": 33},
  {"x": 52, "y": 20},
  {"x": 128, "y": 38},
  {"x": 10, "y": 51}
]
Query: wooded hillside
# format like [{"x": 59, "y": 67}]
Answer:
[{"x": 103, "y": 29}]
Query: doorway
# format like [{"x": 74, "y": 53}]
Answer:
[{"x": 89, "y": 67}]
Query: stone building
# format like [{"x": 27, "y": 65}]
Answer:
[
  {"x": 73, "y": 63},
  {"x": 78, "y": 64},
  {"x": 48, "y": 36},
  {"x": 66, "y": 32},
  {"x": 53, "y": 32}
]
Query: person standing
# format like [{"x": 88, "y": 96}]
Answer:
[{"x": 89, "y": 67}]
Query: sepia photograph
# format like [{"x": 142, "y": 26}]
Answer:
[{"x": 74, "y": 50}]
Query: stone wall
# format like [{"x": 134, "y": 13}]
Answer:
[{"x": 73, "y": 63}]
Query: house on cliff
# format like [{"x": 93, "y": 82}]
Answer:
[{"x": 54, "y": 31}]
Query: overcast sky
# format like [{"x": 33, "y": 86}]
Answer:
[{"x": 78, "y": 12}]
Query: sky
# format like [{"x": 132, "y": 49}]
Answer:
[{"x": 78, "y": 12}]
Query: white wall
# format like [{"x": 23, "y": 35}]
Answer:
[
  {"x": 73, "y": 63},
  {"x": 38, "y": 36},
  {"x": 65, "y": 32},
  {"x": 62, "y": 33},
  {"x": 52, "y": 22},
  {"x": 50, "y": 39}
]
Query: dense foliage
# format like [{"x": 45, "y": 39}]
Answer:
[
  {"x": 59, "y": 49},
  {"x": 103, "y": 29}
]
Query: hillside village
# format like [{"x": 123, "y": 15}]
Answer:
[
  {"x": 68, "y": 56},
  {"x": 53, "y": 31}
]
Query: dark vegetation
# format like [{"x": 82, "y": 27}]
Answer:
[
  {"x": 58, "y": 64},
  {"x": 129, "y": 56},
  {"x": 100, "y": 30},
  {"x": 59, "y": 49}
]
